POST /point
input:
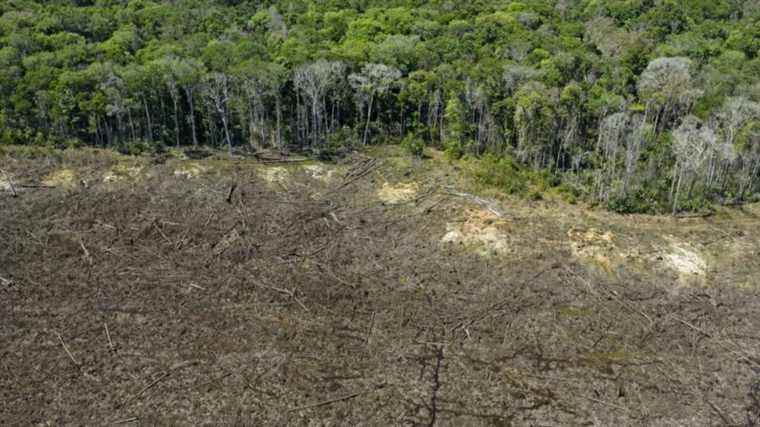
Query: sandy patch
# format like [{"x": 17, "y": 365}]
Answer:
[
  {"x": 274, "y": 174},
  {"x": 685, "y": 260},
  {"x": 122, "y": 172},
  {"x": 482, "y": 229},
  {"x": 65, "y": 178},
  {"x": 595, "y": 246},
  {"x": 394, "y": 194},
  {"x": 190, "y": 171},
  {"x": 320, "y": 172}
]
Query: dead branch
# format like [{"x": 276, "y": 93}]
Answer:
[
  {"x": 612, "y": 294},
  {"x": 336, "y": 400},
  {"x": 327, "y": 402},
  {"x": 276, "y": 161},
  {"x": 693, "y": 215},
  {"x": 612, "y": 405},
  {"x": 127, "y": 420},
  {"x": 281, "y": 157},
  {"x": 727, "y": 420},
  {"x": 491, "y": 205},
  {"x": 360, "y": 171},
  {"x": 280, "y": 290},
  {"x": 108, "y": 335},
  {"x": 45, "y": 187},
  {"x": 501, "y": 305},
  {"x": 371, "y": 327},
  {"x": 86, "y": 254},
  {"x": 287, "y": 292},
  {"x": 71, "y": 356},
  {"x": 163, "y": 376}
]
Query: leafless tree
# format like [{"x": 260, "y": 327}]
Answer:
[
  {"x": 374, "y": 80},
  {"x": 218, "y": 93},
  {"x": 693, "y": 143},
  {"x": 667, "y": 87},
  {"x": 737, "y": 148},
  {"x": 314, "y": 80}
]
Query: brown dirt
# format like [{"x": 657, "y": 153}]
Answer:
[{"x": 164, "y": 301}]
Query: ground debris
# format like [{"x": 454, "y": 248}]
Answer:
[
  {"x": 481, "y": 229},
  {"x": 297, "y": 309},
  {"x": 686, "y": 260}
]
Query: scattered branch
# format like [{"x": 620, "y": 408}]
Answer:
[
  {"x": 491, "y": 205},
  {"x": 66, "y": 348},
  {"x": 108, "y": 335},
  {"x": 336, "y": 400},
  {"x": 163, "y": 376}
]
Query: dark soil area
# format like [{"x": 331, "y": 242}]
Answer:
[{"x": 164, "y": 297}]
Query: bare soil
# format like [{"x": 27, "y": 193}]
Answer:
[{"x": 380, "y": 290}]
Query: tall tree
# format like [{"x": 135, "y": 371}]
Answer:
[{"x": 374, "y": 80}]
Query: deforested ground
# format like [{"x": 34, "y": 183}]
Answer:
[{"x": 376, "y": 290}]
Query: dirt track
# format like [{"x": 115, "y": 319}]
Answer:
[{"x": 378, "y": 291}]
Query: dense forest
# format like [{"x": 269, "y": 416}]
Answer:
[{"x": 637, "y": 105}]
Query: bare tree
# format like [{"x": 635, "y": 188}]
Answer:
[
  {"x": 667, "y": 87},
  {"x": 314, "y": 81},
  {"x": 217, "y": 91},
  {"x": 115, "y": 92},
  {"x": 612, "y": 132},
  {"x": 254, "y": 85},
  {"x": 735, "y": 114},
  {"x": 374, "y": 80},
  {"x": 693, "y": 143},
  {"x": 169, "y": 68},
  {"x": 736, "y": 149}
]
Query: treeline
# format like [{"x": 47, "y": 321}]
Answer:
[{"x": 640, "y": 105}]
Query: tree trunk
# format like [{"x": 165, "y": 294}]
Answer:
[
  {"x": 369, "y": 117},
  {"x": 189, "y": 93},
  {"x": 131, "y": 124},
  {"x": 227, "y": 133},
  {"x": 176, "y": 120},
  {"x": 279, "y": 118},
  {"x": 678, "y": 189},
  {"x": 251, "y": 127},
  {"x": 149, "y": 133},
  {"x": 315, "y": 118}
]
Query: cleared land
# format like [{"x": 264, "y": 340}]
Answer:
[{"x": 377, "y": 290}]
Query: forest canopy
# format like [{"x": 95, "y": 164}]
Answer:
[{"x": 638, "y": 105}]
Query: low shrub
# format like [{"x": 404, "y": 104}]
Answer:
[{"x": 413, "y": 145}]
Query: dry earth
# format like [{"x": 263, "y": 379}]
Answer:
[{"x": 375, "y": 291}]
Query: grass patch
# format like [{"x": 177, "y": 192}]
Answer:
[{"x": 30, "y": 151}]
